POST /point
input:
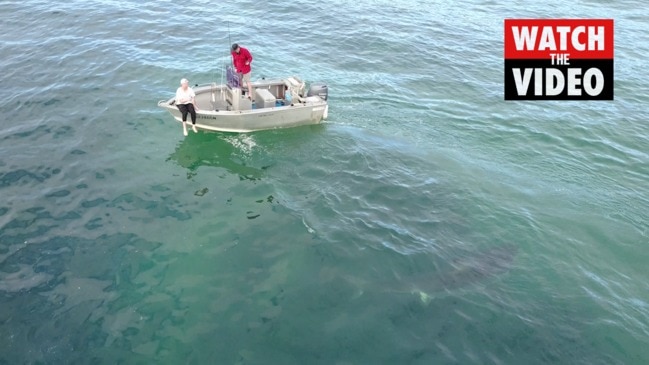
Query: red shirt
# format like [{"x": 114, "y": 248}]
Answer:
[{"x": 240, "y": 59}]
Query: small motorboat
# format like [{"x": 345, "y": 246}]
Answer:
[{"x": 227, "y": 108}]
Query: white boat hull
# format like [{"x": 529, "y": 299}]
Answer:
[{"x": 215, "y": 114}]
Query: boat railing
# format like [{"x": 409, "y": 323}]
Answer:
[{"x": 233, "y": 78}]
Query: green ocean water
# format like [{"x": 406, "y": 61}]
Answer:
[{"x": 427, "y": 221}]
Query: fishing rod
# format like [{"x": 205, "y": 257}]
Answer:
[
  {"x": 229, "y": 52},
  {"x": 229, "y": 39},
  {"x": 224, "y": 67}
]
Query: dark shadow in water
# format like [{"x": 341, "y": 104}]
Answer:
[
  {"x": 245, "y": 155},
  {"x": 375, "y": 321},
  {"x": 213, "y": 149},
  {"x": 463, "y": 271},
  {"x": 21, "y": 176}
]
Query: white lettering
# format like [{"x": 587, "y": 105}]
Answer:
[
  {"x": 573, "y": 81},
  {"x": 575, "y": 38},
  {"x": 538, "y": 81},
  {"x": 522, "y": 83},
  {"x": 547, "y": 40},
  {"x": 523, "y": 38},
  {"x": 599, "y": 81},
  {"x": 554, "y": 81},
  {"x": 563, "y": 37},
  {"x": 596, "y": 37},
  {"x": 552, "y": 88}
]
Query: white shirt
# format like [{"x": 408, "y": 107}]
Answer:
[{"x": 184, "y": 96}]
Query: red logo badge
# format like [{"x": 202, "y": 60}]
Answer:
[{"x": 558, "y": 59}]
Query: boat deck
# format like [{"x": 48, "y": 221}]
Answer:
[{"x": 216, "y": 98}]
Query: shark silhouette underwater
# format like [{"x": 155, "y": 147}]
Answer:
[{"x": 465, "y": 271}]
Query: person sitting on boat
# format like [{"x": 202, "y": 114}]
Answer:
[
  {"x": 241, "y": 58},
  {"x": 186, "y": 104}
]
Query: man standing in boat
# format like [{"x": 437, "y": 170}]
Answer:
[{"x": 241, "y": 58}]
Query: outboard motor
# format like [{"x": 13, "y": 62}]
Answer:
[{"x": 319, "y": 90}]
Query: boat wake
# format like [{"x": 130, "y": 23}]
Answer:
[{"x": 243, "y": 142}]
